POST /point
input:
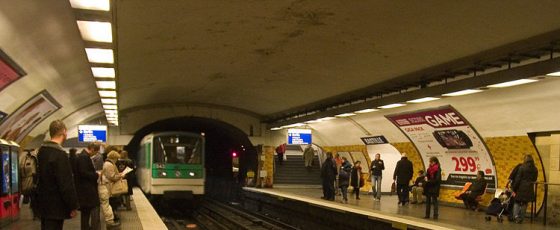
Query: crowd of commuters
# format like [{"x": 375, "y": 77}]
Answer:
[
  {"x": 55, "y": 197},
  {"x": 337, "y": 172}
]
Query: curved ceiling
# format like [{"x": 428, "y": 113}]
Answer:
[{"x": 270, "y": 56}]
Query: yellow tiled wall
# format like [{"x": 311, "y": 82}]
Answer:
[
  {"x": 268, "y": 165},
  {"x": 507, "y": 152}
]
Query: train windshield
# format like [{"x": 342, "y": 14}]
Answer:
[{"x": 177, "y": 149}]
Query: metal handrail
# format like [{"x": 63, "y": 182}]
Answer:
[{"x": 545, "y": 200}]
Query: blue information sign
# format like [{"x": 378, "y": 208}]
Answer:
[
  {"x": 299, "y": 136},
  {"x": 92, "y": 133}
]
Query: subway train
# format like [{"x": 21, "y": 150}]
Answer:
[
  {"x": 9, "y": 183},
  {"x": 171, "y": 165}
]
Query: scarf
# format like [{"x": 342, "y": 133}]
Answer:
[{"x": 432, "y": 170}]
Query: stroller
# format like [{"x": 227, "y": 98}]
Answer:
[{"x": 501, "y": 205}]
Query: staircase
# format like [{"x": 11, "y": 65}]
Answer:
[{"x": 293, "y": 172}]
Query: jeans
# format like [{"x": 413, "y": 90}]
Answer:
[
  {"x": 417, "y": 195},
  {"x": 376, "y": 186},
  {"x": 344, "y": 190},
  {"x": 430, "y": 199},
  {"x": 519, "y": 209},
  {"x": 51, "y": 224},
  {"x": 402, "y": 192}
]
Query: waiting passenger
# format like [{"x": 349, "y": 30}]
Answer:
[
  {"x": 523, "y": 188},
  {"x": 402, "y": 176},
  {"x": 308, "y": 155},
  {"x": 418, "y": 188},
  {"x": 56, "y": 194},
  {"x": 475, "y": 190},
  {"x": 431, "y": 189},
  {"x": 97, "y": 160},
  {"x": 86, "y": 185},
  {"x": 328, "y": 175},
  {"x": 356, "y": 179},
  {"x": 343, "y": 181},
  {"x": 377, "y": 167},
  {"x": 510, "y": 182},
  {"x": 109, "y": 176},
  {"x": 338, "y": 163},
  {"x": 122, "y": 164}
]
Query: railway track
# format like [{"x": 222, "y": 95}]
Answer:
[{"x": 213, "y": 215}]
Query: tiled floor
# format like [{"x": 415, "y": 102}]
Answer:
[{"x": 451, "y": 217}]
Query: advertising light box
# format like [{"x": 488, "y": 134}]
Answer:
[
  {"x": 92, "y": 133},
  {"x": 299, "y": 136}
]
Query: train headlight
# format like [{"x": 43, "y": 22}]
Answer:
[
  {"x": 177, "y": 173},
  {"x": 162, "y": 173},
  {"x": 191, "y": 173}
]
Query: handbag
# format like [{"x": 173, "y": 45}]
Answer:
[
  {"x": 119, "y": 187},
  {"x": 393, "y": 187}
]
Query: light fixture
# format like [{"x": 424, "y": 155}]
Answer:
[
  {"x": 275, "y": 128},
  {"x": 110, "y": 107},
  {"x": 366, "y": 111},
  {"x": 512, "y": 83},
  {"x": 345, "y": 115},
  {"x": 462, "y": 92},
  {"x": 313, "y": 121},
  {"x": 425, "y": 99},
  {"x": 103, "y": 5},
  {"x": 325, "y": 119},
  {"x": 555, "y": 74},
  {"x": 111, "y": 101},
  {"x": 106, "y": 84},
  {"x": 96, "y": 31},
  {"x": 97, "y": 55},
  {"x": 103, "y": 72},
  {"x": 107, "y": 93},
  {"x": 111, "y": 111},
  {"x": 293, "y": 125},
  {"x": 390, "y": 106}
]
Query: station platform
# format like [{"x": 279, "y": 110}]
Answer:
[
  {"x": 401, "y": 217},
  {"x": 142, "y": 216}
]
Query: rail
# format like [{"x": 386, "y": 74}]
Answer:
[{"x": 545, "y": 200}]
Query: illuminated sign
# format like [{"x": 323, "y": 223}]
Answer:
[
  {"x": 376, "y": 140},
  {"x": 92, "y": 133},
  {"x": 299, "y": 136}
]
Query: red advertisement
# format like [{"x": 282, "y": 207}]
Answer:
[
  {"x": 9, "y": 71},
  {"x": 444, "y": 133}
]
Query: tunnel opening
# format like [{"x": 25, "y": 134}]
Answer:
[{"x": 225, "y": 145}]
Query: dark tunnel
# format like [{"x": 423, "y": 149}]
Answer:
[{"x": 222, "y": 140}]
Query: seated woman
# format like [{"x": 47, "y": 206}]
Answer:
[
  {"x": 476, "y": 189},
  {"x": 418, "y": 188}
]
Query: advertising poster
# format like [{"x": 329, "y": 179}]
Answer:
[
  {"x": 28, "y": 116},
  {"x": 9, "y": 71},
  {"x": 442, "y": 132}
]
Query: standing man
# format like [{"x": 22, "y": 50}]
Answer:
[
  {"x": 377, "y": 167},
  {"x": 402, "y": 176},
  {"x": 86, "y": 185},
  {"x": 328, "y": 175},
  {"x": 97, "y": 160},
  {"x": 308, "y": 155},
  {"x": 56, "y": 195}
]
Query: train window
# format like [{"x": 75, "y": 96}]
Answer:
[
  {"x": 5, "y": 171},
  {"x": 177, "y": 150},
  {"x": 14, "y": 169}
]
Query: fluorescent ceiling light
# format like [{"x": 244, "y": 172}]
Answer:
[
  {"x": 111, "y": 111},
  {"x": 110, "y": 107},
  {"x": 276, "y": 128},
  {"x": 313, "y": 121},
  {"x": 111, "y": 101},
  {"x": 96, "y": 31},
  {"x": 293, "y": 125},
  {"x": 97, "y": 55},
  {"x": 366, "y": 111},
  {"x": 555, "y": 74},
  {"x": 106, "y": 84},
  {"x": 425, "y": 99},
  {"x": 512, "y": 83},
  {"x": 107, "y": 93},
  {"x": 103, "y": 5},
  {"x": 103, "y": 72},
  {"x": 345, "y": 115},
  {"x": 326, "y": 119},
  {"x": 462, "y": 92},
  {"x": 390, "y": 106}
]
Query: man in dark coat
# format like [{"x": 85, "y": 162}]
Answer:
[
  {"x": 523, "y": 187},
  {"x": 328, "y": 175},
  {"x": 86, "y": 179},
  {"x": 476, "y": 189},
  {"x": 402, "y": 176},
  {"x": 56, "y": 195}
]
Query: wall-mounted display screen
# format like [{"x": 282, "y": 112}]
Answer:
[
  {"x": 92, "y": 133},
  {"x": 299, "y": 136}
]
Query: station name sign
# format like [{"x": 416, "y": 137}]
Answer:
[{"x": 375, "y": 140}]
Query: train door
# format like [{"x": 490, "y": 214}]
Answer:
[
  {"x": 14, "y": 171},
  {"x": 5, "y": 184}
]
